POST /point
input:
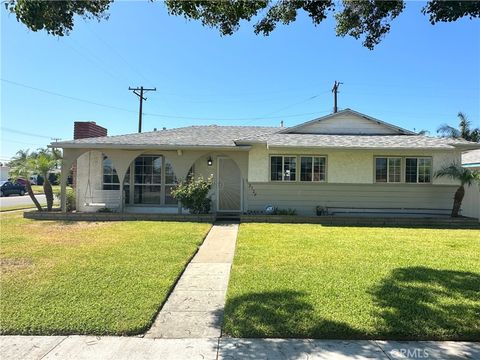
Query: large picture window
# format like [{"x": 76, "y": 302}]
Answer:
[
  {"x": 283, "y": 168},
  {"x": 312, "y": 168},
  {"x": 149, "y": 181}
]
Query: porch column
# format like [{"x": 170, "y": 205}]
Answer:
[
  {"x": 63, "y": 188},
  {"x": 69, "y": 156}
]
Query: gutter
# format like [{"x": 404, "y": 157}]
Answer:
[{"x": 146, "y": 146}]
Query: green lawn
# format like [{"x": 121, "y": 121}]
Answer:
[
  {"x": 38, "y": 189},
  {"x": 89, "y": 278},
  {"x": 311, "y": 281}
]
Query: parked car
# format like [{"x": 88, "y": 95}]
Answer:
[
  {"x": 21, "y": 181},
  {"x": 8, "y": 188}
]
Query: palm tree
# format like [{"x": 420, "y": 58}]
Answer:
[
  {"x": 464, "y": 130},
  {"x": 21, "y": 166},
  {"x": 43, "y": 163},
  {"x": 465, "y": 176}
]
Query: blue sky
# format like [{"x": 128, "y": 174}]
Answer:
[{"x": 419, "y": 77}]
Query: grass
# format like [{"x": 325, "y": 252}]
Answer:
[
  {"x": 89, "y": 278},
  {"x": 310, "y": 281},
  {"x": 38, "y": 189},
  {"x": 18, "y": 207}
]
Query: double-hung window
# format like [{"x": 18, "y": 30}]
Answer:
[
  {"x": 418, "y": 170},
  {"x": 388, "y": 169},
  {"x": 398, "y": 169},
  {"x": 283, "y": 168},
  {"x": 313, "y": 168}
]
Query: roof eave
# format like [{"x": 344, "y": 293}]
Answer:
[
  {"x": 147, "y": 146},
  {"x": 359, "y": 147}
]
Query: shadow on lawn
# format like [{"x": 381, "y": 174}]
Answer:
[
  {"x": 280, "y": 314},
  {"x": 415, "y": 303},
  {"x": 422, "y": 303}
]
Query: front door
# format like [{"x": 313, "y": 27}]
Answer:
[{"x": 229, "y": 186}]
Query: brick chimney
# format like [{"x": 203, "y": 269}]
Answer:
[
  {"x": 84, "y": 130},
  {"x": 88, "y": 129}
]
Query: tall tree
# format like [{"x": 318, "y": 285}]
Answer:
[
  {"x": 464, "y": 176},
  {"x": 464, "y": 130},
  {"x": 21, "y": 166},
  {"x": 367, "y": 19}
]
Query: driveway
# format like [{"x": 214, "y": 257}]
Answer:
[{"x": 13, "y": 200}]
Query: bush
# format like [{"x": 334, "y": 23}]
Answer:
[
  {"x": 288, "y": 211},
  {"x": 105, "y": 210},
  {"x": 193, "y": 194},
  {"x": 71, "y": 203}
]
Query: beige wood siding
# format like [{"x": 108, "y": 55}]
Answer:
[{"x": 305, "y": 197}]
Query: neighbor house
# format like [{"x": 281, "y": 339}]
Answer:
[{"x": 345, "y": 162}]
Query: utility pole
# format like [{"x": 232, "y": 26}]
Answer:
[
  {"x": 336, "y": 85},
  {"x": 140, "y": 95}
]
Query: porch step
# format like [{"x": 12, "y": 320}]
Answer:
[{"x": 227, "y": 216}]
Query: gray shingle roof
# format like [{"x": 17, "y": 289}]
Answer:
[
  {"x": 210, "y": 135},
  {"x": 232, "y": 136},
  {"x": 471, "y": 157},
  {"x": 357, "y": 141}
]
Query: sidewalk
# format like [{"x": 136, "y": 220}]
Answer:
[{"x": 132, "y": 348}]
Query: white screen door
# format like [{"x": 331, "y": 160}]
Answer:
[{"x": 229, "y": 185}]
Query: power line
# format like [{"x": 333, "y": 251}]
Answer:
[
  {"x": 154, "y": 114},
  {"x": 25, "y": 133},
  {"x": 67, "y": 97}
]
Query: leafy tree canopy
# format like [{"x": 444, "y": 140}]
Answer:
[{"x": 368, "y": 19}]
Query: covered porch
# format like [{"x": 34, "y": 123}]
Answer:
[{"x": 140, "y": 180}]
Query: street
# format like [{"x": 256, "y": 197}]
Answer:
[{"x": 13, "y": 200}]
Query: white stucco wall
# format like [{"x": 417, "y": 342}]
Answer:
[
  {"x": 344, "y": 167},
  {"x": 471, "y": 202}
]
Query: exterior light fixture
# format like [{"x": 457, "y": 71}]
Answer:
[{"x": 209, "y": 161}]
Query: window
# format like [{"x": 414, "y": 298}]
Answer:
[
  {"x": 147, "y": 180},
  {"x": 418, "y": 170},
  {"x": 153, "y": 180},
  {"x": 312, "y": 168},
  {"x": 283, "y": 168},
  {"x": 110, "y": 177},
  {"x": 388, "y": 169}
]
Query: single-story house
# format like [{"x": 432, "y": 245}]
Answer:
[{"x": 343, "y": 162}]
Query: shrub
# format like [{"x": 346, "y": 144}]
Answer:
[
  {"x": 288, "y": 211},
  {"x": 105, "y": 210},
  {"x": 71, "y": 203},
  {"x": 193, "y": 194}
]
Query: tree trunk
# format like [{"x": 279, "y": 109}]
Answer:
[
  {"x": 32, "y": 196},
  {"x": 457, "y": 201},
  {"x": 47, "y": 189}
]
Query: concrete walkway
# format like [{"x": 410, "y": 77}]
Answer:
[
  {"x": 132, "y": 348},
  {"x": 195, "y": 307}
]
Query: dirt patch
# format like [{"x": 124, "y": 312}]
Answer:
[{"x": 8, "y": 265}]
